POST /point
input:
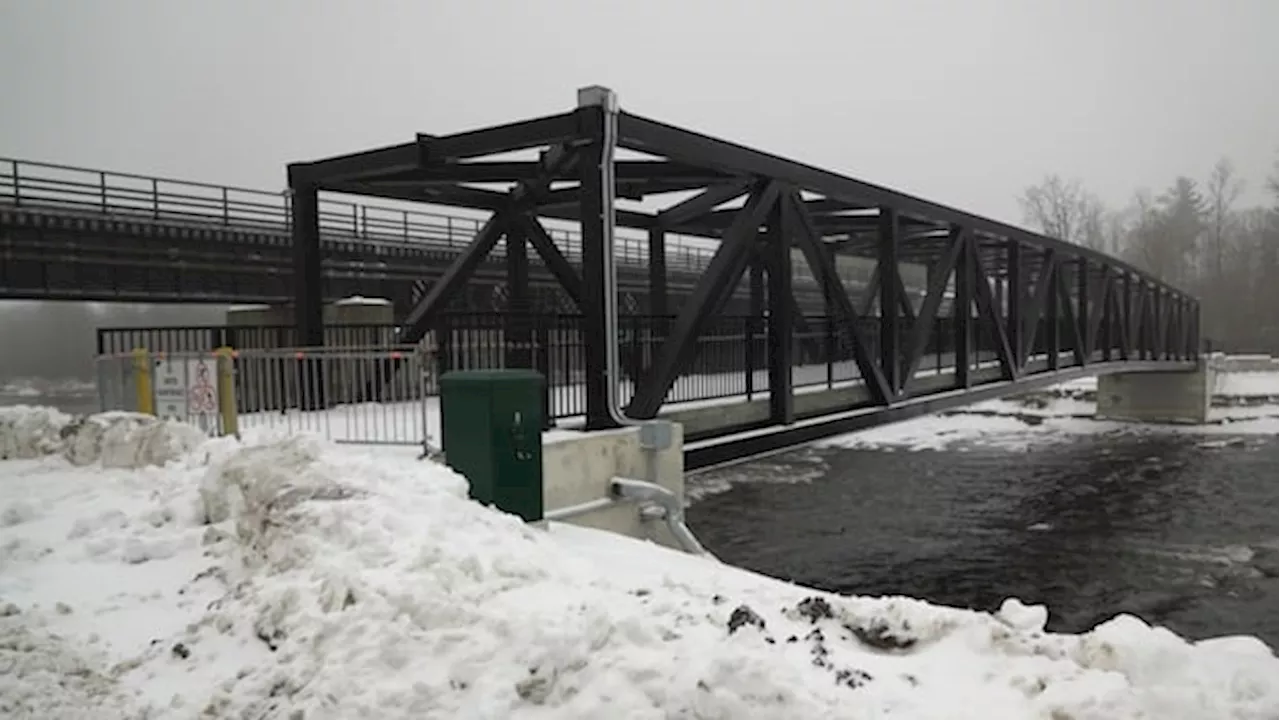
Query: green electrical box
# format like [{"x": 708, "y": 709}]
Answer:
[{"x": 491, "y": 433}]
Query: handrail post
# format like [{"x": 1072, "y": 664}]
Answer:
[
  {"x": 17, "y": 196},
  {"x": 364, "y": 221},
  {"x": 102, "y": 188},
  {"x": 226, "y": 210},
  {"x": 155, "y": 198},
  {"x": 406, "y": 225},
  {"x": 448, "y": 229},
  {"x": 355, "y": 220}
]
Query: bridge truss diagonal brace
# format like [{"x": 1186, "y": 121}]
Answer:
[
  {"x": 1119, "y": 321},
  {"x": 723, "y": 271},
  {"x": 1097, "y": 306},
  {"x": 701, "y": 204},
  {"x": 523, "y": 198},
  {"x": 559, "y": 266},
  {"x": 1067, "y": 307},
  {"x": 1037, "y": 300},
  {"x": 823, "y": 266},
  {"x": 989, "y": 312},
  {"x": 941, "y": 272}
]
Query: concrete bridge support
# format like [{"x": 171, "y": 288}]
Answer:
[{"x": 1163, "y": 397}]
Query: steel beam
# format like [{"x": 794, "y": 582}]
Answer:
[
  {"x": 418, "y": 323},
  {"x": 658, "y": 305},
  {"x": 890, "y": 297},
  {"x": 595, "y": 297},
  {"x": 777, "y": 257},
  {"x": 989, "y": 310},
  {"x": 701, "y": 204},
  {"x": 550, "y": 130},
  {"x": 1083, "y": 306},
  {"x": 308, "y": 278},
  {"x": 627, "y": 172},
  {"x": 925, "y": 321},
  {"x": 724, "y": 271},
  {"x": 1067, "y": 306},
  {"x": 870, "y": 293},
  {"x": 556, "y": 262},
  {"x": 962, "y": 310},
  {"x": 1015, "y": 288},
  {"x": 1037, "y": 299},
  {"x": 1053, "y": 320},
  {"x": 355, "y": 167},
  {"x": 755, "y": 313},
  {"x": 518, "y": 333},
  {"x": 824, "y": 269},
  {"x": 1097, "y": 304},
  {"x": 1119, "y": 316}
]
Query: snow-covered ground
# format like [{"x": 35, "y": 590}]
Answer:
[
  {"x": 1065, "y": 411},
  {"x": 147, "y": 572},
  {"x": 37, "y": 387}
]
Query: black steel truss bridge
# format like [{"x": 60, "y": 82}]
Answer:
[{"x": 1012, "y": 308}]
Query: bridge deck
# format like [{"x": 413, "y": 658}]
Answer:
[{"x": 711, "y": 442}]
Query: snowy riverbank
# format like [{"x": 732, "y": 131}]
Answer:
[
  {"x": 1243, "y": 404},
  {"x": 147, "y": 573}
]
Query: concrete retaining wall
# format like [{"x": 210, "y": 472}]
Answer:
[
  {"x": 1172, "y": 397},
  {"x": 578, "y": 467}
]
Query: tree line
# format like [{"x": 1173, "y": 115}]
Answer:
[{"x": 1195, "y": 235}]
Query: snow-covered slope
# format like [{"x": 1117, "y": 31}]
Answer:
[{"x": 296, "y": 579}]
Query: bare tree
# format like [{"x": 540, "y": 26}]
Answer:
[
  {"x": 1223, "y": 189},
  {"x": 1065, "y": 210},
  {"x": 1193, "y": 236}
]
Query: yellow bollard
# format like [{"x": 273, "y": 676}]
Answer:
[
  {"x": 227, "y": 391},
  {"x": 142, "y": 381}
]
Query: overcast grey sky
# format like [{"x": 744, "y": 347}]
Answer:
[{"x": 964, "y": 102}]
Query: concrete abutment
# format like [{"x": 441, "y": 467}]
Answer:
[{"x": 1176, "y": 396}]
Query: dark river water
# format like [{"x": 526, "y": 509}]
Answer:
[{"x": 1177, "y": 529}]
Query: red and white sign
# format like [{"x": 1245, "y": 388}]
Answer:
[
  {"x": 202, "y": 389},
  {"x": 187, "y": 389}
]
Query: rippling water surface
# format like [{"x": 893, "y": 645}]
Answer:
[{"x": 1178, "y": 529}]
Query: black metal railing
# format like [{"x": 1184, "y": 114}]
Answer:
[
  {"x": 47, "y": 186},
  {"x": 731, "y": 358},
  {"x": 63, "y": 188}
]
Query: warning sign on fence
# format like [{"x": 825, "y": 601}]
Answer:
[
  {"x": 202, "y": 389},
  {"x": 171, "y": 388},
  {"x": 187, "y": 389}
]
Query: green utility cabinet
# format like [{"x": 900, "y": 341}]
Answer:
[{"x": 491, "y": 433}]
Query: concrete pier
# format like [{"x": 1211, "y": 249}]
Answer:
[{"x": 1161, "y": 397}]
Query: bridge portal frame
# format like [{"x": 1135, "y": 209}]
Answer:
[{"x": 757, "y": 206}]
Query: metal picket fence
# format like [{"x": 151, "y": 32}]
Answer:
[{"x": 355, "y": 395}]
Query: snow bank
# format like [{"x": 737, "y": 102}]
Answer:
[
  {"x": 297, "y": 579},
  {"x": 114, "y": 439}
]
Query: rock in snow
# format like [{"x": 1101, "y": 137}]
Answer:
[{"x": 291, "y": 578}]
